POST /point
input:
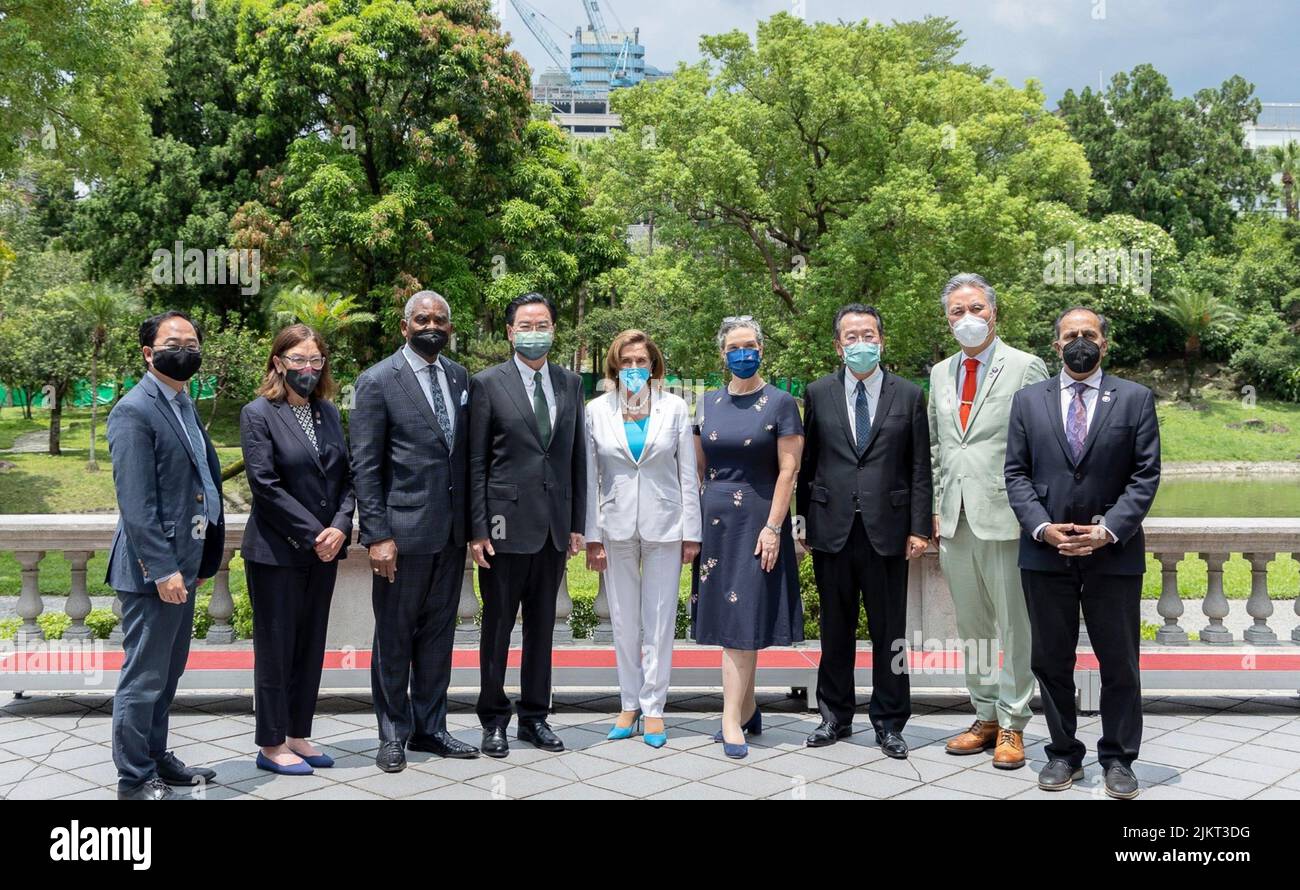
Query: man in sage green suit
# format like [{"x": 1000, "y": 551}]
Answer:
[{"x": 976, "y": 531}]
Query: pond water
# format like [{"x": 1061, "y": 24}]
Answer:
[{"x": 1262, "y": 496}]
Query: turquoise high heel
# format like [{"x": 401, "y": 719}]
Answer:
[
  {"x": 656, "y": 739},
  {"x": 618, "y": 733}
]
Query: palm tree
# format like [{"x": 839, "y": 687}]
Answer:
[
  {"x": 328, "y": 313},
  {"x": 1196, "y": 313},
  {"x": 1285, "y": 159},
  {"x": 102, "y": 307}
]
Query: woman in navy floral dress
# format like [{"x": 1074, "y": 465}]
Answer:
[{"x": 745, "y": 583}]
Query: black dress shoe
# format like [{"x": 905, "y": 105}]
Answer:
[
  {"x": 150, "y": 789},
  {"x": 444, "y": 744},
  {"x": 1120, "y": 782},
  {"x": 391, "y": 756},
  {"x": 173, "y": 772},
  {"x": 539, "y": 735},
  {"x": 1059, "y": 775},
  {"x": 494, "y": 741},
  {"x": 892, "y": 744},
  {"x": 828, "y": 733}
]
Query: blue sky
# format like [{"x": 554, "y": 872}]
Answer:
[{"x": 1063, "y": 43}]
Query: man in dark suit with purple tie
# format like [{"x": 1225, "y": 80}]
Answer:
[{"x": 1082, "y": 467}]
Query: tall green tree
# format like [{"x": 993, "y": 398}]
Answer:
[
  {"x": 1285, "y": 160},
  {"x": 1181, "y": 163},
  {"x": 1196, "y": 314},
  {"x": 105, "y": 310}
]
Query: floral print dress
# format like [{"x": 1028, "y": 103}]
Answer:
[{"x": 734, "y": 603}]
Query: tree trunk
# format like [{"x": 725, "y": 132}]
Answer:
[
  {"x": 56, "y": 419},
  {"x": 92, "y": 464}
]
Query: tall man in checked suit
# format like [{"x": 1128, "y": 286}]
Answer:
[
  {"x": 1082, "y": 468},
  {"x": 409, "y": 435},
  {"x": 864, "y": 490},
  {"x": 976, "y": 531},
  {"x": 169, "y": 540},
  {"x": 528, "y": 505}
]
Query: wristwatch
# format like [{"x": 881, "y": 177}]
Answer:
[{"x": 774, "y": 529}]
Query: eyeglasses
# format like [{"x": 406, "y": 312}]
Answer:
[
  {"x": 544, "y": 327},
  {"x": 297, "y": 361},
  {"x": 174, "y": 348},
  {"x": 730, "y": 318}
]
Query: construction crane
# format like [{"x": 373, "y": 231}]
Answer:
[
  {"x": 617, "y": 65},
  {"x": 532, "y": 20}
]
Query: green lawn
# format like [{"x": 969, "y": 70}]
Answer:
[{"x": 1209, "y": 434}]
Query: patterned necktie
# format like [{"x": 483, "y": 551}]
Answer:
[
  {"x": 211, "y": 497},
  {"x": 1076, "y": 427},
  {"x": 968, "y": 390},
  {"x": 862, "y": 418},
  {"x": 439, "y": 404},
  {"x": 539, "y": 408}
]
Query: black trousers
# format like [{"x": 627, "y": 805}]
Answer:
[
  {"x": 530, "y": 579},
  {"x": 1111, "y": 612},
  {"x": 415, "y": 626},
  {"x": 291, "y": 611},
  {"x": 881, "y": 581}
]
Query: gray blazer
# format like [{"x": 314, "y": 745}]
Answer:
[{"x": 159, "y": 495}]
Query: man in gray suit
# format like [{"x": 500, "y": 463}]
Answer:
[
  {"x": 170, "y": 535},
  {"x": 409, "y": 430}
]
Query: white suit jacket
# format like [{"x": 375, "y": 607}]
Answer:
[{"x": 657, "y": 497}]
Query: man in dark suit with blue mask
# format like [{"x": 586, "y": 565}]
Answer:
[
  {"x": 1082, "y": 468},
  {"x": 169, "y": 540}
]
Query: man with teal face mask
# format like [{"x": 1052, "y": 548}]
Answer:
[
  {"x": 864, "y": 493},
  {"x": 527, "y": 509}
]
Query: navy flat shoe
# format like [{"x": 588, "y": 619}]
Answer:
[
  {"x": 292, "y": 769},
  {"x": 318, "y": 761},
  {"x": 752, "y": 726},
  {"x": 735, "y": 752}
]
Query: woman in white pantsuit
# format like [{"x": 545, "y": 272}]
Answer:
[{"x": 643, "y": 522}]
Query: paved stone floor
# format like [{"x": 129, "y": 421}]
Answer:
[{"x": 1202, "y": 747}]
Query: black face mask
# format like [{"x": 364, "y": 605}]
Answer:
[
  {"x": 429, "y": 343},
  {"x": 1081, "y": 355},
  {"x": 302, "y": 382},
  {"x": 179, "y": 365}
]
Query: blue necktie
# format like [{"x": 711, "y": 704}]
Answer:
[
  {"x": 439, "y": 404},
  {"x": 211, "y": 497},
  {"x": 862, "y": 418}
]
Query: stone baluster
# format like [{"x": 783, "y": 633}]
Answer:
[
  {"x": 1259, "y": 606},
  {"x": 1216, "y": 604},
  {"x": 222, "y": 606},
  {"x": 563, "y": 609},
  {"x": 1170, "y": 606},
  {"x": 30, "y": 605},
  {"x": 467, "y": 630},
  {"x": 604, "y": 629},
  {"x": 78, "y": 604}
]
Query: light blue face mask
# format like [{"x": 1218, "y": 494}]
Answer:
[
  {"x": 633, "y": 378},
  {"x": 532, "y": 345},
  {"x": 862, "y": 357}
]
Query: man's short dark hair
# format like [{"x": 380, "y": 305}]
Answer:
[
  {"x": 524, "y": 300},
  {"x": 1101, "y": 320},
  {"x": 149, "y": 327},
  {"x": 859, "y": 309}
]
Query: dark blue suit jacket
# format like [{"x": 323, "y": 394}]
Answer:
[
  {"x": 410, "y": 481},
  {"x": 297, "y": 491},
  {"x": 159, "y": 495},
  {"x": 1115, "y": 479}
]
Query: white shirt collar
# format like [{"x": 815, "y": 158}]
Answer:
[
  {"x": 1093, "y": 380},
  {"x": 872, "y": 384},
  {"x": 418, "y": 362},
  {"x": 984, "y": 356},
  {"x": 527, "y": 372}
]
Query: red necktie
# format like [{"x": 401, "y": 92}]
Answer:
[{"x": 968, "y": 390}]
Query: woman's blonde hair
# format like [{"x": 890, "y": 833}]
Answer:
[{"x": 614, "y": 358}]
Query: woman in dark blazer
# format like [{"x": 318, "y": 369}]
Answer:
[{"x": 296, "y": 461}]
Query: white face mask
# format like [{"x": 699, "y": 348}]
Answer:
[{"x": 971, "y": 330}]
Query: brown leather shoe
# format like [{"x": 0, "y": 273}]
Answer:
[
  {"x": 981, "y": 736},
  {"x": 1010, "y": 752}
]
